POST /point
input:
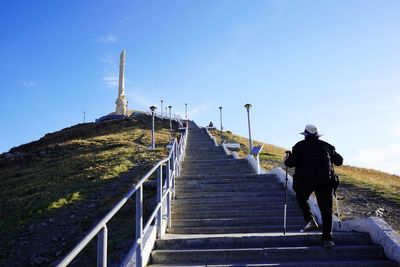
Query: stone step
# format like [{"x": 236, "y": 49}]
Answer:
[
  {"x": 196, "y": 180},
  {"x": 235, "y": 229},
  {"x": 241, "y": 180},
  {"x": 217, "y": 171},
  {"x": 228, "y": 222},
  {"x": 332, "y": 263},
  {"x": 204, "y": 147},
  {"x": 211, "y": 155},
  {"x": 200, "y": 138},
  {"x": 228, "y": 186},
  {"x": 202, "y": 150},
  {"x": 205, "y": 153},
  {"x": 208, "y": 157},
  {"x": 226, "y": 168},
  {"x": 235, "y": 206},
  {"x": 198, "y": 144},
  {"x": 233, "y": 200},
  {"x": 181, "y": 185},
  {"x": 214, "y": 163},
  {"x": 260, "y": 240},
  {"x": 208, "y": 193},
  {"x": 226, "y": 183},
  {"x": 216, "y": 156},
  {"x": 230, "y": 176},
  {"x": 254, "y": 255},
  {"x": 200, "y": 158},
  {"x": 177, "y": 214}
]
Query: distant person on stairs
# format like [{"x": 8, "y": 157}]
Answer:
[{"x": 313, "y": 160}]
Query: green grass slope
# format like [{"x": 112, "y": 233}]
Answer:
[{"x": 54, "y": 189}]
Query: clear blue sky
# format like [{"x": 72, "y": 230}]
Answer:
[{"x": 332, "y": 63}]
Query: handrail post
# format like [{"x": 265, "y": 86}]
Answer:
[
  {"x": 178, "y": 167},
  {"x": 170, "y": 174},
  {"x": 177, "y": 172},
  {"x": 172, "y": 161},
  {"x": 159, "y": 198},
  {"x": 102, "y": 247},
  {"x": 139, "y": 225}
]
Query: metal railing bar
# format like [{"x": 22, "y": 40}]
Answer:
[
  {"x": 107, "y": 218},
  {"x": 81, "y": 245},
  {"x": 172, "y": 168}
]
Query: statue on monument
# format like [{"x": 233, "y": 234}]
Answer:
[{"x": 121, "y": 103}]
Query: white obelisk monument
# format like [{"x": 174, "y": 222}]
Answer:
[{"x": 121, "y": 100}]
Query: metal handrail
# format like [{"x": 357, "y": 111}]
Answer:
[{"x": 172, "y": 163}]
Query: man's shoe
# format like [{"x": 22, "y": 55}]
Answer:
[
  {"x": 311, "y": 225},
  {"x": 328, "y": 244}
]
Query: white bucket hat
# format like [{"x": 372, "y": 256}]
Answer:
[{"x": 311, "y": 130}]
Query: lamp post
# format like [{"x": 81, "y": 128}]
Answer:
[
  {"x": 248, "y": 106},
  {"x": 153, "y": 144},
  {"x": 220, "y": 117},
  {"x": 170, "y": 122},
  {"x": 186, "y": 111},
  {"x": 161, "y": 109}
]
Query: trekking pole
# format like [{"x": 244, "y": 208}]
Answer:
[{"x": 285, "y": 207}]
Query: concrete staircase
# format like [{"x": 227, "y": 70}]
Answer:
[{"x": 224, "y": 215}]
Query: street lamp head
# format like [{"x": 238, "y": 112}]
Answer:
[
  {"x": 169, "y": 107},
  {"x": 220, "y": 107},
  {"x": 152, "y": 108},
  {"x": 247, "y": 106}
]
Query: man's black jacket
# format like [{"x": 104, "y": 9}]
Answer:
[{"x": 312, "y": 158}]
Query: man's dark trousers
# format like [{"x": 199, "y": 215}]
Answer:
[{"x": 324, "y": 199}]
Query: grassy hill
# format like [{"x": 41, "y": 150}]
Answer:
[
  {"x": 363, "y": 192},
  {"x": 53, "y": 189}
]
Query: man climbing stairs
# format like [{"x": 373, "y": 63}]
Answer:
[{"x": 225, "y": 215}]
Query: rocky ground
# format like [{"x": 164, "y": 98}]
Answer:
[{"x": 361, "y": 202}]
